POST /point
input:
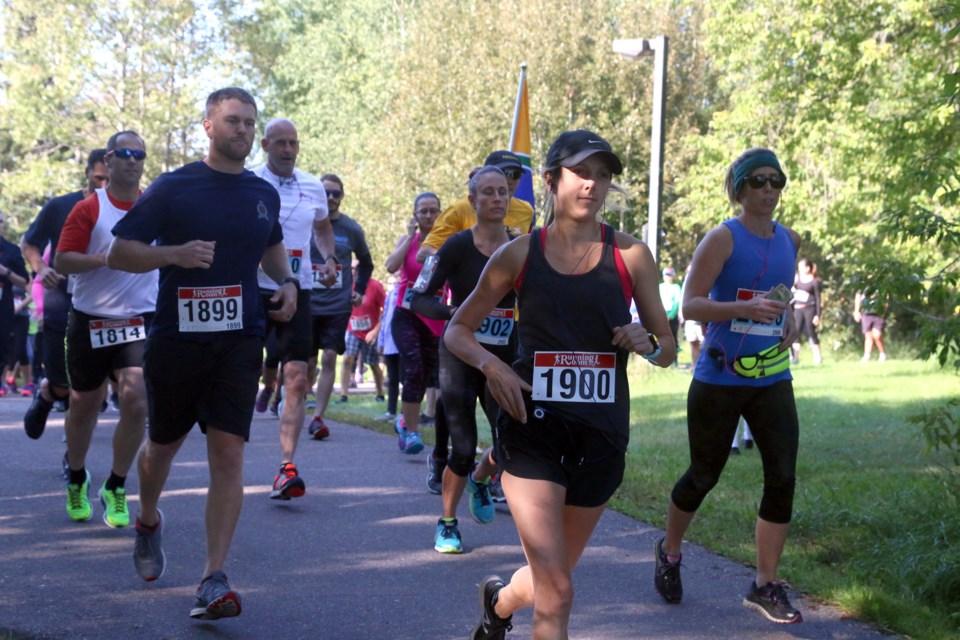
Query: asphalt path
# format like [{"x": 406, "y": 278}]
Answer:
[{"x": 352, "y": 559}]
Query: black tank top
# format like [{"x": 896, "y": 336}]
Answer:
[{"x": 565, "y": 334}]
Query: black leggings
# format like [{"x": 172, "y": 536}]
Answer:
[
  {"x": 460, "y": 387},
  {"x": 804, "y": 319},
  {"x": 393, "y": 381},
  {"x": 713, "y": 412}
]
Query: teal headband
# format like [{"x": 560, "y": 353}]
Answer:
[{"x": 762, "y": 159}]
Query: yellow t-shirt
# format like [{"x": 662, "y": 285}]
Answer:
[{"x": 460, "y": 216}]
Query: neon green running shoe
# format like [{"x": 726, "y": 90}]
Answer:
[
  {"x": 114, "y": 503},
  {"x": 78, "y": 500}
]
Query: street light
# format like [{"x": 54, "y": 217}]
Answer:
[{"x": 631, "y": 49}]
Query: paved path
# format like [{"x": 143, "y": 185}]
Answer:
[{"x": 353, "y": 559}]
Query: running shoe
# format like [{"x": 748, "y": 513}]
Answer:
[
  {"x": 28, "y": 390},
  {"x": 317, "y": 429},
  {"x": 276, "y": 402},
  {"x": 447, "y": 539},
  {"x": 496, "y": 489},
  {"x": 215, "y": 599},
  {"x": 666, "y": 576},
  {"x": 263, "y": 399},
  {"x": 387, "y": 417},
  {"x": 426, "y": 420},
  {"x": 771, "y": 602},
  {"x": 288, "y": 483},
  {"x": 148, "y": 555},
  {"x": 114, "y": 501},
  {"x": 412, "y": 443},
  {"x": 310, "y": 401},
  {"x": 35, "y": 419},
  {"x": 401, "y": 430},
  {"x": 435, "y": 474},
  {"x": 78, "y": 500},
  {"x": 114, "y": 402},
  {"x": 380, "y": 399},
  {"x": 481, "y": 506},
  {"x": 492, "y": 626},
  {"x": 343, "y": 400}
]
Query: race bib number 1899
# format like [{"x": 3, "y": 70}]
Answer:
[
  {"x": 203, "y": 309},
  {"x": 569, "y": 376}
]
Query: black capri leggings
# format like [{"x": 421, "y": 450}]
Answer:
[
  {"x": 804, "y": 319},
  {"x": 713, "y": 412},
  {"x": 460, "y": 387},
  {"x": 418, "y": 349}
]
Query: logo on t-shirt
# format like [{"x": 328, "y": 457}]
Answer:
[{"x": 262, "y": 211}]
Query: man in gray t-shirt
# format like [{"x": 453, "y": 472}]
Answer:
[{"x": 330, "y": 306}]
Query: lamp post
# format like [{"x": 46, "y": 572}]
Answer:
[{"x": 632, "y": 49}]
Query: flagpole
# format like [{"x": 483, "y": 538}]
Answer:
[{"x": 516, "y": 108}]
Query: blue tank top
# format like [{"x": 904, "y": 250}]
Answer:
[
  {"x": 565, "y": 346},
  {"x": 755, "y": 266}
]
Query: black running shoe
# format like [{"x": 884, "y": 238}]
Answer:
[
  {"x": 771, "y": 602},
  {"x": 492, "y": 626},
  {"x": 666, "y": 575},
  {"x": 35, "y": 419},
  {"x": 435, "y": 474}
]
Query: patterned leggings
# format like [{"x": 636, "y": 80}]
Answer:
[{"x": 419, "y": 354}]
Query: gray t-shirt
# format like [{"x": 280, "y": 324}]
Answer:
[{"x": 350, "y": 241}]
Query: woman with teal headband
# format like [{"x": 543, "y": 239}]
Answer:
[{"x": 739, "y": 287}]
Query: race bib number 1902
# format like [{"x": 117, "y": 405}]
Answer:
[
  {"x": 568, "y": 376},
  {"x": 203, "y": 309}
]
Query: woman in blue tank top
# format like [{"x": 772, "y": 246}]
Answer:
[
  {"x": 739, "y": 283},
  {"x": 563, "y": 429}
]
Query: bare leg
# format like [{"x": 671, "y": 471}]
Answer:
[
  {"x": 411, "y": 415},
  {"x": 328, "y": 371},
  {"x": 294, "y": 411},
  {"x": 771, "y": 538},
  {"x": 79, "y": 424},
  {"x": 677, "y": 524},
  {"x": 225, "y": 496},
  {"x": 153, "y": 467},
  {"x": 346, "y": 371},
  {"x": 377, "y": 377},
  {"x": 128, "y": 436},
  {"x": 877, "y": 336}
]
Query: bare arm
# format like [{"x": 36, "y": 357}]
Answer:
[
  {"x": 497, "y": 279},
  {"x": 15, "y": 278},
  {"x": 76, "y": 262},
  {"x": 395, "y": 259},
  {"x": 48, "y": 275},
  {"x": 138, "y": 257},
  {"x": 326, "y": 245}
]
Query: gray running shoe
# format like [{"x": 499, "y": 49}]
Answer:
[
  {"x": 148, "y": 556},
  {"x": 215, "y": 599},
  {"x": 666, "y": 575},
  {"x": 492, "y": 626}
]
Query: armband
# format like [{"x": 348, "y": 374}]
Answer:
[{"x": 656, "y": 348}]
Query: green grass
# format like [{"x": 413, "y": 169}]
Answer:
[{"x": 875, "y": 532}]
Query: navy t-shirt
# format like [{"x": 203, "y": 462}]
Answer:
[
  {"x": 44, "y": 230},
  {"x": 238, "y": 211}
]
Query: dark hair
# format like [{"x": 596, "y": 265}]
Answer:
[
  {"x": 332, "y": 177},
  {"x": 97, "y": 155},
  {"x": 112, "y": 142},
  {"x": 482, "y": 171},
  {"x": 422, "y": 196},
  {"x": 229, "y": 93}
]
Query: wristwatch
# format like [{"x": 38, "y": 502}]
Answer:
[
  {"x": 656, "y": 347},
  {"x": 291, "y": 279}
]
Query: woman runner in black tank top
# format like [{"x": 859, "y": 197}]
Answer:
[{"x": 564, "y": 420}]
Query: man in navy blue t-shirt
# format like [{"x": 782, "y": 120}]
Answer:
[{"x": 213, "y": 223}]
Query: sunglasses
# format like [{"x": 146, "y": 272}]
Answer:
[
  {"x": 336, "y": 194},
  {"x": 512, "y": 174},
  {"x": 125, "y": 154},
  {"x": 757, "y": 182}
]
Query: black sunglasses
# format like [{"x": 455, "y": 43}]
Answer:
[
  {"x": 336, "y": 194},
  {"x": 125, "y": 154},
  {"x": 757, "y": 182},
  {"x": 512, "y": 174}
]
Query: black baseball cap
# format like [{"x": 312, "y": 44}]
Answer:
[
  {"x": 573, "y": 147},
  {"x": 503, "y": 160}
]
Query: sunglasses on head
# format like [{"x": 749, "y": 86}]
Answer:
[
  {"x": 757, "y": 182},
  {"x": 512, "y": 174},
  {"x": 336, "y": 194},
  {"x": 125, "y": 154}
]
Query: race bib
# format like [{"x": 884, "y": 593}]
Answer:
[
  {"x": 407, "y": 298},
  {"x": 205, "y": 309},
  {"x": 360, "y": 323},
  {"x": 496, "y": 328},
  {"x": 569, "y": 376},
  {"x": 316, "y": 278},
  {"x": 743, "y": 325},
  {"x": 295, "y": 256},
  {"x": 109, "y": 333}
]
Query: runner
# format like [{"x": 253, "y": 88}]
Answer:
[
  {"x": 44, "y": 231},
  {"x": 361, "y": 338},
  {"x": 303, "y": 206},
  {"x": 213, "y": 222},
  {"x": 331, "y": 304},
  {"x": 459, "y": 264},
  {"x": 13, "y": 276},
  {"x": 564, "y": 426},
  {"x": 108, "y": 324},
  {"x": 417, "y": 338},
  {"x": 739, "y": 283}
]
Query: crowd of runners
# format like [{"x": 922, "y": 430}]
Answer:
[{"x": 219, "y": 291}]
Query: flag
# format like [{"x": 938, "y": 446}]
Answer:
[{"x": 520, "y": 140}]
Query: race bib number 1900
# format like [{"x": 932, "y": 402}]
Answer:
[
  {"x": 203, "y": 309},
  {"x": 569, "y": 376}
]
